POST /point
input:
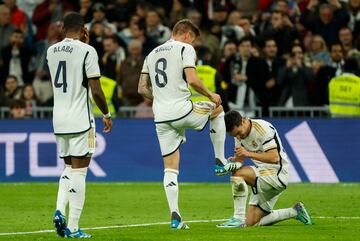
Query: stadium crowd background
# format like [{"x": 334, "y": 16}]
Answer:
[{"x": 265, "y": 53}]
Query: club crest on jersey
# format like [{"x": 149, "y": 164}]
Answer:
[{"x": 254, "y": 144}]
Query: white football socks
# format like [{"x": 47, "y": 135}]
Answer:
[
  {"x": 63, "y": 191},
  {"x": 218, "y": 135},
  {"x": 277, "y": 216},
  {"x": 76, "y": 197},
  {"x": 240, "y": 193},
  {"x": 172, "y": 189}
]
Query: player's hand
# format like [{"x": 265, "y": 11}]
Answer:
[
  {"x": 236, "y": 159},
  {"x": 215, "y": 98},
  {"x": 108, "y": 125},
  {"x": 240, "y": 152}
]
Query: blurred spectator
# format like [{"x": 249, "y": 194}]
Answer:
[
  {"x": 126, "y": 34},
  {"x": 354, "y": 11},
  {"x": 17, "y": 109},
  {"x": 12, "y": 90},
  {"x": 179, "y": 11},
  {"x": 114, "y": 54},
  {"x": 332, "y": 16},
  {"x": 229, "y": 50},
  {"x": 50, "y": 11},
  {"x": 29, "y": 97},
  {"x": 282, "y": 31},
  {"x": 139, "y": 32},
  {"x": 274, "y": 63},
  {"x": 18, "y": 17},
  {"x": 16, "y": 57},
  {"x": 120, "y": 11},
  {"x": 218, "y": 20},
  {"x": 249, "y": 6},
  {"x": 97, "y": 33},
  {"x": 85, "y": 10},
  {"x": 326, "y": 73},
  {"x": 337, "y": 57},
  {"x": 346, "y": 39},
  {"x": 317, "y": 51},
  {"x": 28, "y": 6},
  {"x": 6, "y": 28},
  {"x": 294, "y": 80},
  {"x": 209, "y": 41},
  {"x": 129, "y": 74},
  {"x": 195, "y": 16},
  {"x": 42, "y": 81},
  {"x": 155, "y": 29},
  {"x": 236, "y": 74},
  {"x": 99, "y": 16}
]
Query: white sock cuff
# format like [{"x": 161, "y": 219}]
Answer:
[
  {"x": 67, "y": 166},
  {"x": 236, "y": 179},
  {"x": 79, "y": 171},
  {"x": 171, "y": 170}
]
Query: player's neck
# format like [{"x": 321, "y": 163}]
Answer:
[
  {"x": 72, "y": 35},
  {"x": 249, "y": 126}
]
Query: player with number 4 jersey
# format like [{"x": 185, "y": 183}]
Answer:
[
  {"x": 74, "y": 70},
  {"x": 166, "y": 74}
]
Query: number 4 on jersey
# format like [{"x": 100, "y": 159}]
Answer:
[{"x": 61, "y": 69}]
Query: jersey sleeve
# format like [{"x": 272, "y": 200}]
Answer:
[
  {"x": 269, "y": 141},
  {"x": 188, "y": 56},
  {"x": 92, "y": 68},
  {"x": 145, "y": 68}
]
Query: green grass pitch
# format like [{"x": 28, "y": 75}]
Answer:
[{"x": 29, "y": 207}]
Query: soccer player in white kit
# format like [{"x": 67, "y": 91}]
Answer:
[
  {"x": 268, "y": 178},
  {"x": 73, "y": 66},
  {"x": 165, "y": 76}
]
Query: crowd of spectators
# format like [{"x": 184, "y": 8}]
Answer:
[{"x": 268, "y": 52}]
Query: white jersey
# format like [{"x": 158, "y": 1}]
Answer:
[
  {"x": 165, "y": 65},
  {"x": 264, "y": 137},
  {"x": 71, "y": 63}
]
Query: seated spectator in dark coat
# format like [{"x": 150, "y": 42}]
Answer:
[
  {"x": 11, "y": 92},
  {"x": 6, "y": 28}
]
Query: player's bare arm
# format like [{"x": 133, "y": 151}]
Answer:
[
  {"x": 198, "y": 85},
  {"x": 271, "y": 156},
  {"x": 144, "y": 87},
  {"x": 100, "y": 101}
]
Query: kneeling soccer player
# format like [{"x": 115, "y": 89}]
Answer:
[{"x": 268, "y": 178}]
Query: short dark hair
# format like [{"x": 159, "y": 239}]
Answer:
[
  {"x": 246, "y": 39},
  {"x": 185, "y": 25},
  {"x": 17, "y": 104},
  {"x": 73, "y": 22},
  {"x": 113, "y": 37},
  {"x": 232, "y": 119}
]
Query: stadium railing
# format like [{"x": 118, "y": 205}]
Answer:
[
  {"x": 135, "y": 111},
  {"x": 299, "y": 111}
]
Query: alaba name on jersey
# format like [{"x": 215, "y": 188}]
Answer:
[
  {"x": 71, "y": 63},
  {"x": 264, "y": 137},
  {"x": 165, "y": 65}
]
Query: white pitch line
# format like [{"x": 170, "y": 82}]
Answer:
[{"x": 154, "y": 224}]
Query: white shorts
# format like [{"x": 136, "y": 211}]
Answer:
[
  {"x": 268, "y": 188},
  {"x": 172, "y": 134},
  {"x": 77, "y": 145}
]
